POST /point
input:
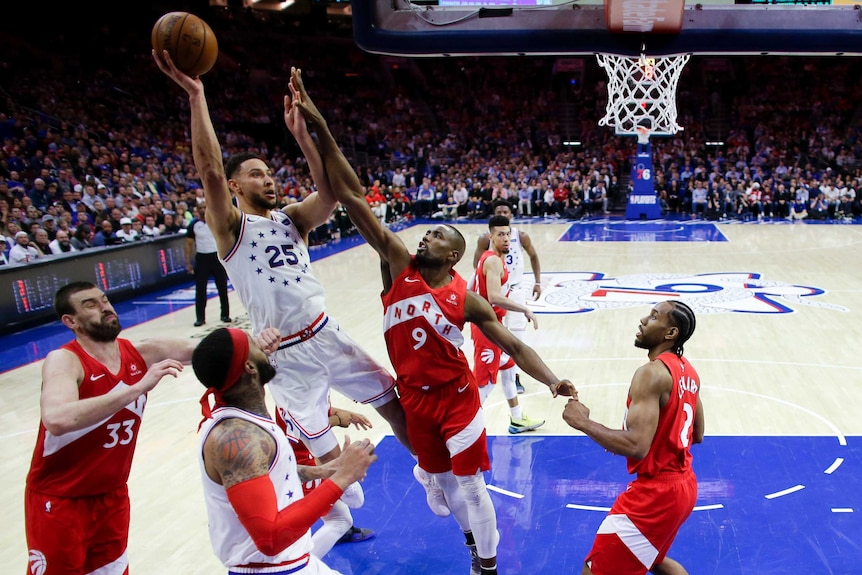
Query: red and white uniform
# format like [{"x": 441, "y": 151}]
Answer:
[
  {"x": 645, "y": 519},
  {"x": 422, "y": 328},
  {"x": 488, "y": 359},
  {"x": 231, "y": 542},
  {"x": 76, "y": 501}
]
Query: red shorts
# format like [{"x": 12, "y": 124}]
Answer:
[
  {"x": 77, "y": 535},
  {"x": 446, "y": 427},
  {"x": 642, "y": 524},
  {"x": 488, "y": 359}
]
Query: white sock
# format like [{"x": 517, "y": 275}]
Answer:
[{"x": 517, "y": 412}]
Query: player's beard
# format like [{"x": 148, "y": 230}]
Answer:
[
  {"x": 424, "y": 259},
  {"x": 266, "y": 371},
  {"x": 260, "y": 201},
  {"x": 106, "y": 330}
]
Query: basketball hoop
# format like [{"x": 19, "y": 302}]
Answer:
[{"x": 642, "y": 93}]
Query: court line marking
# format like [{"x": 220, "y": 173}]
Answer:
[
  {"x": 835, "y": 465},
  {"x": 784, "y": 492},
  {"x": 842, "y": 510},
  {"x": 586, "y": 507},
  {"x": 504, "y": 492}
]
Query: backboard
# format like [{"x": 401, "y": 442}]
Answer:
[{"x": 556, "y": 27}]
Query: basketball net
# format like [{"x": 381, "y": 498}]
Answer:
[{"x": 642, "y": 94}]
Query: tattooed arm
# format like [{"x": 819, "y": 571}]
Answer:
[
  {"x": 237, "y": 450},
  {"x": 238, "y": 454}
]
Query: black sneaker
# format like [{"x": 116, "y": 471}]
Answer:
[
  {"x": 355, "y": 535},
  {"x": 226, "y": 319},
  {"x": 199, "y": 323},
  {"x": 475, "y": 562},
  {"x": 520, "y": 388}
]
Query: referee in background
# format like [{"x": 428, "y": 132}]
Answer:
[{"x": 206, "y": 264}]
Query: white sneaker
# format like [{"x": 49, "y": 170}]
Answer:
[
  {"x": 353, "y": 496},
  {"x": 433, "y": 492}
]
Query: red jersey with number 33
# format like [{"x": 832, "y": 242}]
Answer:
[
  {"x": 671, "y": 446},
  {"x": 96, "y": 459},
  {"x": 422, "y": 328}
]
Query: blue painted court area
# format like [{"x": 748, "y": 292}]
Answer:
[
  {"x": 766, "y": 506},
  {"x": 645, "y": 231}
]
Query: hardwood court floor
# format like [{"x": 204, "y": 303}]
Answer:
[{"x": 778, "y": 321}]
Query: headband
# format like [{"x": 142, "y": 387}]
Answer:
[{"x": 238, "y": 358}]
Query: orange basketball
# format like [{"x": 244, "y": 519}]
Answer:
[{"x": 188, "y": 39}]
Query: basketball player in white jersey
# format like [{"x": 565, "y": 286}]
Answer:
[
  {"x": 259, "y": 518},
  {"x": 266, "y": 255},
  {"x": 519, "y": 242}
]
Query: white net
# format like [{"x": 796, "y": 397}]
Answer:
[{"x": 642, "y": 93}]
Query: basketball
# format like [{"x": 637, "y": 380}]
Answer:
[{"x": 188, "y": 39}]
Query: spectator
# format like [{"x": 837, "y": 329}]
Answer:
[
  {"x": 149, "y": 229},
  {"x": 698, "y": 199},
  {"x": 22, "y": 252},
  {"x": 425, "y": 194},
  {"x": 61, "y": 244},
  {"x": 40, "y": 195},
  {"x": 126, "y": 233},
  {"x": 82, "y": 238},
  {"x": 105, "y": 236},
  {"x": 41, "y": 242},
  {"x": 799, "y": 210},
  {"x": 170, "y": 225},
  {"x": 49, "y": 224},
  {"x": 819, "y": 207}
]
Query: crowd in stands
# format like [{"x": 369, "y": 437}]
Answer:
[{"x": 93, "y": 155}]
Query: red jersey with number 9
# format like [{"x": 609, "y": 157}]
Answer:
[
  {"x": 671, "y": 446},
  {"x": 422, "y": 328},
  {"x": 96, "y": 459}
]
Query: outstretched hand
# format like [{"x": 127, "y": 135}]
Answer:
[
  {"x": 186, "y": 82},
  {"x": 302, "y": 101},
  {"x": 346, "y": 418},
  {"x": 564, "y": 387},
  {"x": 157, "y": 371}
]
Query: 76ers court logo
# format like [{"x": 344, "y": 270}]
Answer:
[{"x": 720, "y": 292}]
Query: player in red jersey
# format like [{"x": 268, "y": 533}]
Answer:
[
  {"x": 664, "y": 417},
  {"x": 94, "y": 390},
  {"x": 491, "y": 281},
  {"x": 426, "y": 304}
]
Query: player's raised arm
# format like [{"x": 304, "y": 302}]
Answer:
[
  {"x": 223, "y": 215},
  {"x": 316, "y": 208},
  {"x": 348, "y": 190}
]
